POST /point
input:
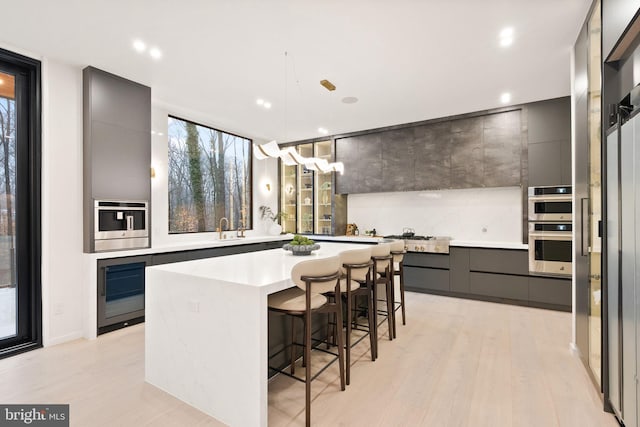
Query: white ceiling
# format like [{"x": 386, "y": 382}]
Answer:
[{"x": 405, "y": 60}]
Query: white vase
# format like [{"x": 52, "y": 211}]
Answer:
[{"x": 274, "y": 229}]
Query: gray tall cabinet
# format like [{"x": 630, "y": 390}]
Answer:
[{"x": 117, "y": 142}]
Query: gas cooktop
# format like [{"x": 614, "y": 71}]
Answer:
[{"x": 397, "y": 236}]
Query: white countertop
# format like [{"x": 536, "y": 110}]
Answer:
[
  {"x": 485, "y": 244},
  {"x": 176, "y": 247},
  {"x": 354, "y": 239},
  {"x": 269, "y": 268}
]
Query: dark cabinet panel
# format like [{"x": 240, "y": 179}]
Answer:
[
  {"x": 545, "y": 164},
  {"x": 347, "y": 153},
  {"x": 431, "y": 146},
  {"x": 550, "y": 290},
  {"x": 369, "y": 164},
  {"x": 418, "y": 278},
  {"x": 549, "y": 130},
  {"x": 422, "y": 259},
  {"x": 501, "y": 157},
  {"x": 459, "y": 264},
  {"x": 121, "y": 161},
  {"x": 467, "y": 168},
  {"x": 499, "y": 285},
  {"x": 507, "y": 261},
  {"x": 398, "y": 157},
  {"x": 549, "y": 120}
]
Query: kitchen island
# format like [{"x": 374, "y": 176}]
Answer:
[{"x": 206, "y": 329}]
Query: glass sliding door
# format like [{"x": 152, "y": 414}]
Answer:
[{"x": 20, "y": 304}]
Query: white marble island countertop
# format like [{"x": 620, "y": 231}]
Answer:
[{"x": 206, "y": 334}]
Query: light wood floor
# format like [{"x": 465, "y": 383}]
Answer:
[{"x": 456, "y": 363}]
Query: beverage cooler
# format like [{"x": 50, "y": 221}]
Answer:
[{"x": 121, "y": 288}]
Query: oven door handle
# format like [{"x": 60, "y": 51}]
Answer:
[{"x": 551, "y": 236}]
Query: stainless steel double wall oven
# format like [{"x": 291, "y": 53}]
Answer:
[{"x": 550, "y": 230}]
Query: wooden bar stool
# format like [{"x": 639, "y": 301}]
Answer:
[
  {"x": 356, "y": 282},
  {"x": 397, "y": 251},
  {"x": 312, "y": 279},
  {"x": 382, "y": 274}
]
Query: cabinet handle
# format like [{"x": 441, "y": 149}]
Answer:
[{"x": 584, "y": 218}]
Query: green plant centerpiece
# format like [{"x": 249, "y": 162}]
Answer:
[{"x": 301, "y": 245}]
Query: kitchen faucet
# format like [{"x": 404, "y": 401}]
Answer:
[{"x": 220, "y": 225}]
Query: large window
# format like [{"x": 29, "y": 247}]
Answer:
[
  {"x": 20, "y": 303},
  {"x": 209, "y": 178}
]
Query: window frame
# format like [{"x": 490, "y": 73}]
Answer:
[
  {"x": 28, "y": 205},
  {"x": 249, "y": 206}
]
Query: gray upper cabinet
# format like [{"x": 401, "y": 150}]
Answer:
[
  {"x": 480, "y": 151},
  {"x": 467, "y": 166},
  {"x": 549, "y": 132},
  {"x": 117, "y": 142},
  {"x": 431, "y": 150},
  {"x": 398, "y": 160},
  {"x": 502, "y": 149}
]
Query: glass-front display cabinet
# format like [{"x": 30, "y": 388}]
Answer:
[{"x": 307, "y": 200}]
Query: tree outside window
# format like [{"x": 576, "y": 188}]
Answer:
[{"x": 209, "y": 178}]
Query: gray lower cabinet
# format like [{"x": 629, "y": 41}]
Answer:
[
  {"x": 488, "y": 274},
  {"x": 420, "y": 278},
  {"x": 499, "y": 285},
  {"x": 548, "y": 290},
  {"x": 506, "y": 261}
]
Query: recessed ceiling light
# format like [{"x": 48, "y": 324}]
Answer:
[
  {"x": 267, "y": 105},
  {"x": 505, "y": 98},
  {"x": 349, "y": 100},
  {"x": 155, "y": 53},
  {"x": 506, "y": 32},
  {"x": 259, "y": 101},
  {"x": 506, "y": 37},
  {"x": 139, "y": 45},
  {"x": 506, "y": 41},
  {"x": 323, "y": 131},
  {"x": 160, "y": 133}
]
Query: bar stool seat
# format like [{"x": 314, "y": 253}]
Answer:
[{"x": 294, "y": 300}]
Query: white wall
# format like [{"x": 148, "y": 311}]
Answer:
[
  {"x": 485, "y": 214},
  {"x": 62, "y": 279}
]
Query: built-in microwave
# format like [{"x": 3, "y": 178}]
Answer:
[
  {"x": 121, "y": 224},
  {"x": 550, "y": 248},
  {"x": 550, "y": 203}
]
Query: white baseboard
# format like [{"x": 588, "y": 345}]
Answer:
[
  {"x": 573, "y": 348},
  {"x": 62, "y": 339}
]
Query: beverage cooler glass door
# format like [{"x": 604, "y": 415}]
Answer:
[{"x": 121, "y": 294}]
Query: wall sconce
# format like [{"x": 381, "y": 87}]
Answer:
[
  {"x": 153, "y": 172},
  {"x": 268, "y": 187}
]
